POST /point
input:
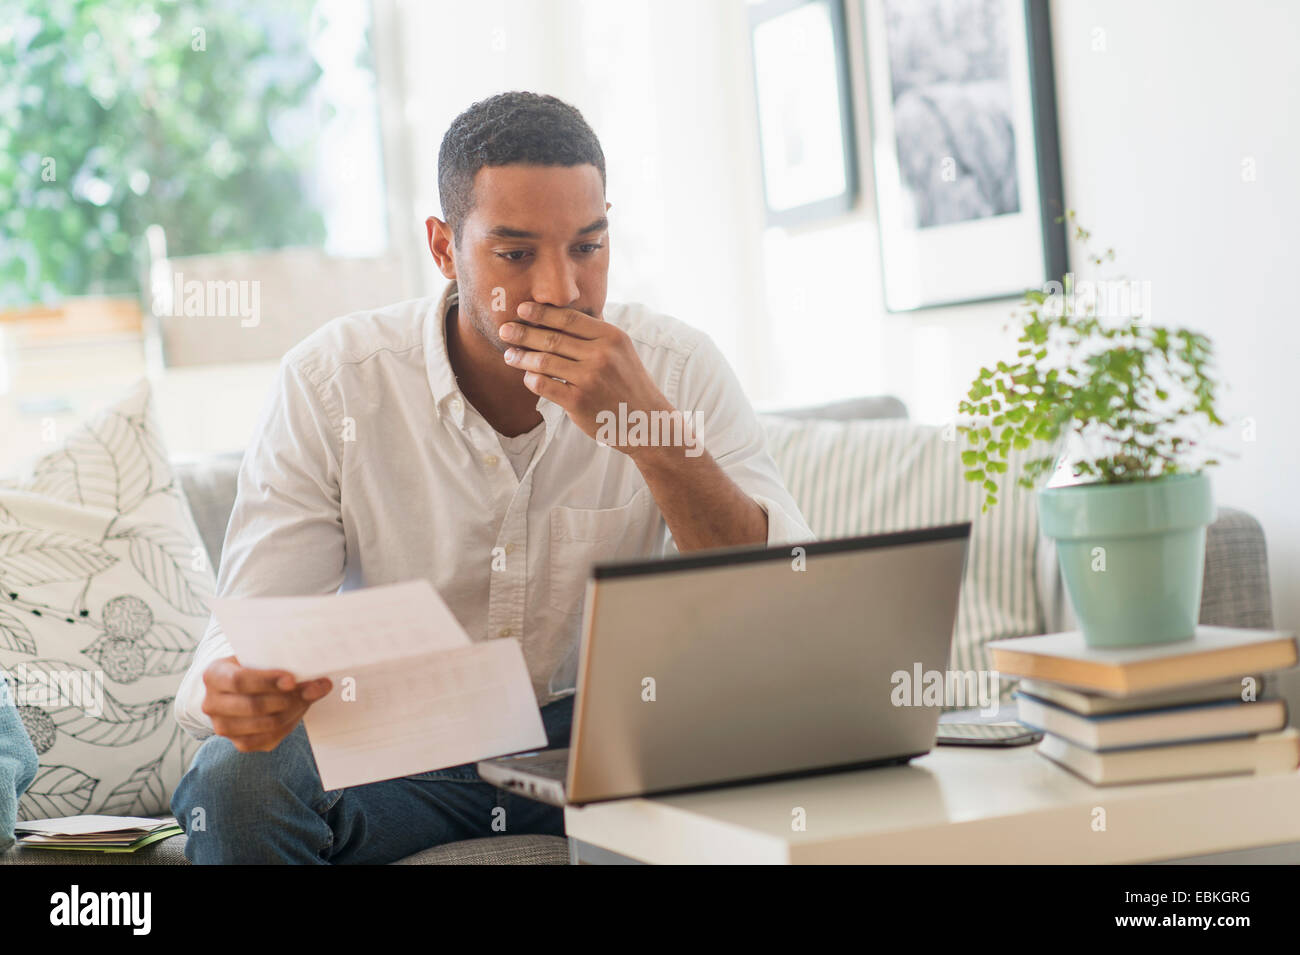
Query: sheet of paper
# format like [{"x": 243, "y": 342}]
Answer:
[
  {"x": 411, "y": 692},
  {"x": 77, "y": 825},
  {"x": 319, "y": 635},
  {"x": 430, "y": 712}
]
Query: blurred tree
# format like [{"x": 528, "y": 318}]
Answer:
[{"x": 198, "y": 115}]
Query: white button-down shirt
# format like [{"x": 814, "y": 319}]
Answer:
[{"x": 368, "y": 467}]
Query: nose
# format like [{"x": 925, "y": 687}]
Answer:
[{"x": 555, "y": 281}]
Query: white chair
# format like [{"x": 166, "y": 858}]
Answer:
[{"x": 253, "y": 306}]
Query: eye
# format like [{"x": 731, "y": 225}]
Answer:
[
  {"x": 514, "y": 255},
  {"x": 587, "y": 248}
]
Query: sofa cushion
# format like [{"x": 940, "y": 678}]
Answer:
[
  {"x": 495, "y": 850},
  {"x": 104, "y": 584},
  {"x": 871, "y": 477},
  {"x": 210, "y": 484}
]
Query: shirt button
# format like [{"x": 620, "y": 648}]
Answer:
[
  {"x": 510, "y": 548},
  {"x": 455, "y": 405},
  {"x": 505, "y": 632},
  {"x": 491, "y": 461}
]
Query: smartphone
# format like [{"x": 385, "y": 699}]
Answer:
[{"x": 986, "y": 734}]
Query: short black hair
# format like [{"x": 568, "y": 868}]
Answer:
[{"x": 517, "y": 127}]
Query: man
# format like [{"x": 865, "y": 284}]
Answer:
[{"x": 487, "y": 441}]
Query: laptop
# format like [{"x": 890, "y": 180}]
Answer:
[{"x": 745, "y": 664}]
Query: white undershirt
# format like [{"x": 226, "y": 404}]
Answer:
[{"x": 520, "y": 448}]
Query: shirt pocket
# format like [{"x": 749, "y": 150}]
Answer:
[{"x": 581, "y": 537}]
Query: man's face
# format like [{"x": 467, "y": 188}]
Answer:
[{"x": 535, "y": 234}]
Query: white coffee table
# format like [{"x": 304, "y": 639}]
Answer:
[{"x": 956, "y": 805}]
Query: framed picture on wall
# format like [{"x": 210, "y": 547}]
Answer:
[
  {"x": 964, "y": 149},
  {"x": 805, "y": 119}
]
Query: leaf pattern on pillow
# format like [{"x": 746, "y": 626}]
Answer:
[
  {"x": 147, "y": 786},
  {"x": 152, "y": 446},
  {"x": 164, "y": 559},
  {"x": 164, "y": 648},
  {"x": 105, "y": 464},
  {"x": 29, "y": 558},
  {"x": 14, "y": 634},
  {"x": 59, "y": 694},
  {"x": 167, "y": 649},
  {"x": 57, "y": 791},
  {"x": 121, "y": 725}
]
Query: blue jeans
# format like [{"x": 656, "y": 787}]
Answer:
[{"x": 269, "y": 808}]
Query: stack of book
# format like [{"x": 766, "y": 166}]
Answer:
[
  {"x": 95, "y": 833},
  {"x": 1166, "y": 711}
]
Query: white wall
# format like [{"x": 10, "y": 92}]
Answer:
[
  {"x": 1160, "y": 114},
  {"x": 1154, "y": 131}
]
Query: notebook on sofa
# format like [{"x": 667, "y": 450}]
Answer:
[{"x": 95, "y": 833}]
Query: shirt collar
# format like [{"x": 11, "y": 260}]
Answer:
[{"x": 442, "y": 379}]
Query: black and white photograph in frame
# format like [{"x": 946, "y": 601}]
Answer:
[
  {"x": 805, "y": 125},
  {"x": 964, "y": 149}
]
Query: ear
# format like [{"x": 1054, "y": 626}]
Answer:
[
  {"x": 608, "y": 206},
  {"x": 442, "y": 246}
]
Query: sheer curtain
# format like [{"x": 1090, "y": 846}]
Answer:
[{"x": 666, "y": 85}]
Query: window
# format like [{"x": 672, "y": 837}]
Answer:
[{"x": 234, "y": 124}]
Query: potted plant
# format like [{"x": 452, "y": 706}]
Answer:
[{"x": 1131, "y": 398}]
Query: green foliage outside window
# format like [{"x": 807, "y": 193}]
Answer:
[{"x": 117, "y": 114}]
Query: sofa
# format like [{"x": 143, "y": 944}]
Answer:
[{"x": 1235, "y": 593}]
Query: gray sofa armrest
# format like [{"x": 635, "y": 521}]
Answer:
[{"x": 1235, "y": 592}]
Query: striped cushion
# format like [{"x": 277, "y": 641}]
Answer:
[{"x": 871, "y": 477}]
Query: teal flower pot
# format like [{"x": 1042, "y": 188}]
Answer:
[{"x": 1132, "y": 555}]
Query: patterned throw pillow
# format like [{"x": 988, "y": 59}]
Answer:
[
  {"x": 104, "y": 585},
  {"x": 871, "y": 477}
]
